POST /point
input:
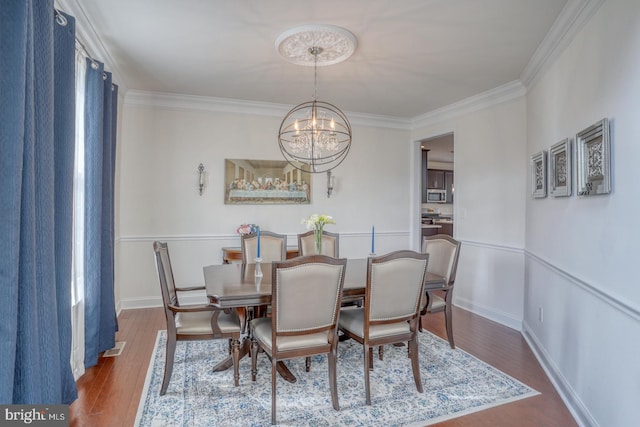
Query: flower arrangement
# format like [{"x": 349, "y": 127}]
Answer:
[
  {"x": 247, "y": 229},
  {"x": 316, "y": 223}
]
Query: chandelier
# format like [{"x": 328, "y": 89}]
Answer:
[{"x": 315, "y": 136}]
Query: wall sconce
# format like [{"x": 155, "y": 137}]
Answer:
[
  {"x": 202, "y": 175},
  {"x": 330, "y": 183}
]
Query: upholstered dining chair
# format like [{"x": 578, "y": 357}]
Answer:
[
  {"x": 391, "y": 312},
  {"x": 330, "y": 244},
  {"x": 293, "y": 330},
  {"x": 443, "y": 260},
  {"x": 273, "y": 247},
  {"x": 191, "y": 322}
]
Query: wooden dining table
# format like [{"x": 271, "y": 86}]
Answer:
[{"x": 235, "y": 286}]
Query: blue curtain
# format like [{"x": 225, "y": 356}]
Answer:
[
  {"x": 101, "y": 323},
  {"x": 36, "y": 191}
]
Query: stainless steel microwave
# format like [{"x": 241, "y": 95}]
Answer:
[{"x": 436, "y": 196}]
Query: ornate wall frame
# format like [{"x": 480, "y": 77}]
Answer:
[
  {"x": 593, "y": 160},
  {"x": 560, "y": 169},
  {"x": 539, "y": 175},
  {"x": 259, "y": 182}
]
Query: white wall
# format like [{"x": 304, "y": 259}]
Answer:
[
  {"x": 489, "y": 160},
  {"x": 573, "y": 256},
  {"x": 581, "y": 252},
  {"x": 161, "y": 148}
]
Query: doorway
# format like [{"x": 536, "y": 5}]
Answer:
[{"x": 437, "y": 185}]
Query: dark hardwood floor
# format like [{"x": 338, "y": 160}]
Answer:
[{"x": 108, "y": 394}]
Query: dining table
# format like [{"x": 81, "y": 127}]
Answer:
[{"x": 236, "y": 286}]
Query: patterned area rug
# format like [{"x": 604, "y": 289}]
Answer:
[{"x": 455, "y": 384}]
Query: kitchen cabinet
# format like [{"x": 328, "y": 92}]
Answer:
[
  {"x": 447, "y": 228},
  {"x": 423, "y": 176},
  {"x": 431, "y": 230},
  {"x": 448, "y": 185},
  {"x": 435, "y": 179}
]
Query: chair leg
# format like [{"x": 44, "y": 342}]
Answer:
[
  {"x": 235, "y": 354},
  {"x": 168, "y": 363},
  {"x": 381, "y": 352},
  {"x": 333, "y": 379},
  {"x": 415, "y": 365},
  {"x": 307, "y": 364},
  {"x": 368, "y": 355},
  {"x": 273, "y": 390},
  {"x": 448, "y": 321},
  {"x": 254, "y": 358}
]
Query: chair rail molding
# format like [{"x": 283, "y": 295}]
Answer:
[{"x": 613, "y": 300}]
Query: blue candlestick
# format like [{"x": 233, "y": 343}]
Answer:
[
  {"x": 258, "y": 242},
  {"x": 373, "y": 237}
]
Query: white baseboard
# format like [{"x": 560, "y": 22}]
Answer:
[
  {"x": 489, "y": 313},
  {"x": 186, "y": 298},
  {"x": 580, "y": 413}
]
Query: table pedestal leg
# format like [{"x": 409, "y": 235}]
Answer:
[{"x": 245, "y": 348}]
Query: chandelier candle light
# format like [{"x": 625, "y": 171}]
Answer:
[{"x": 315, "y": 136}]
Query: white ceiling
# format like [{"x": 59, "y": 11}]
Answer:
[{"x": 413, "y": 56}]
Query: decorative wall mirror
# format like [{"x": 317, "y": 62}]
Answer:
[
  {"x": 539, "y": 175},
  {"x": 560, "y": 169},
  {"x": 593, "y": 160}
]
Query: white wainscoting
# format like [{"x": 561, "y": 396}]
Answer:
[
  {"x": 137, "y": 279},
  {"x": 490, "y": 282},
  {"x": 586, "y": 341}
]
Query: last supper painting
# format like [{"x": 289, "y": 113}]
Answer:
[{"x": 265, "y": 182}]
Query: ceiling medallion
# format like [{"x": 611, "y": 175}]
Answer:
[
  {"x": 337, "y": 44},
  {"x": 315, "y": 136}
]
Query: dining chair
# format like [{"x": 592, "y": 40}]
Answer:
[
  {"x": 391, "y": 312},
  {"x": 443, "y": 260},
  {"x": 330, "y": 244},
  {"x": 273, "y": 247},
  {"x": 293, "y": 330},
  {"x": 191, "y": 322}
]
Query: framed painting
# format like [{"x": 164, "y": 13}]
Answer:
[
  {"x": 259, "y": 182},
  {"x": 560, "y": 169},
  {"x": 593, "y": 162},
  {"x": 539, "y": 175}
]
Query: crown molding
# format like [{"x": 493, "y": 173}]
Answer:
[
  {"x": 486, "y": 99},
  {"x": 88, "y": 36},
  {"x": 572, "y": 18},
  {"x": 181, "y": 102},
  {"x": 574, "y": 15}
]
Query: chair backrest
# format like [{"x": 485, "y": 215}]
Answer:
[
  {"x": 273, "y": 247},
  {"x": 315, "y": 279},
  {"x": 330, "y": 244},
  {"x": 443, "y": 256},
  {"x": 165, "y": 274},
  {"x": 395, "y": 283}
]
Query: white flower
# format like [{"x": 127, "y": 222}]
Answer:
[{"x": 317, "y": 222}]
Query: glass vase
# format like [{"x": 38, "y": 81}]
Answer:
[{"x": 318, "y": 235}]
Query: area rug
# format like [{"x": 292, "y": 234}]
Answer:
[{"x": 455, "y": 384}]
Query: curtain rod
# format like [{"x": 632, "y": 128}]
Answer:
[{"x": 62, "y": 20}]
